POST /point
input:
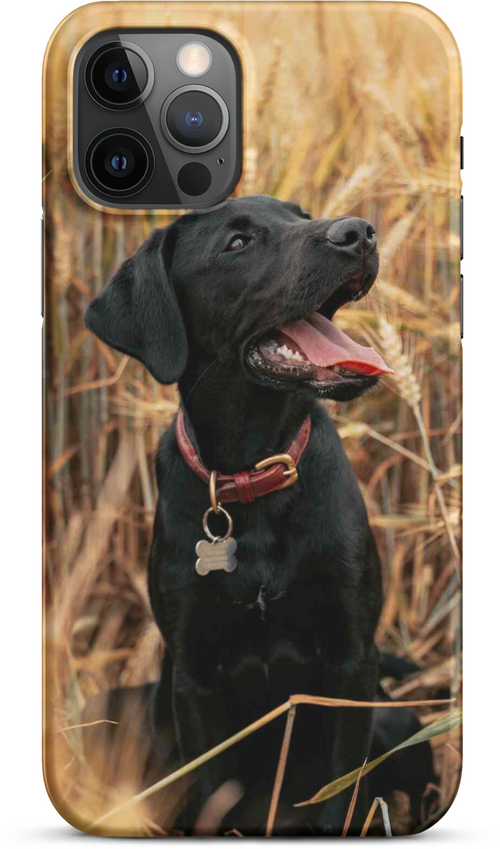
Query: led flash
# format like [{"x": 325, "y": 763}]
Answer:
[{"x": 194, "y": 59}]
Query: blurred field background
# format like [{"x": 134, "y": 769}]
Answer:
[{"x": 349, "y": 109}]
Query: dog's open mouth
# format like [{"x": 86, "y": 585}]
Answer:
[{"x": 314, "y": 349}]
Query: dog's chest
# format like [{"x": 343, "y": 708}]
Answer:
[
  {"x": 265, "y": 622},
  {"x": 259, "y": 602},
  {"x": 269, "y": 555},
  {"x": 270, "y": 582}
]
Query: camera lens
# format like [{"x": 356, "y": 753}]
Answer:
[
  {"x": 194, "y": 118},
  {"x": 119, "y": 75},
  {"x": 119, "y": 163}
]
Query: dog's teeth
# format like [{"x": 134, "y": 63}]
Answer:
[
  {"x": 270, "y": 348},
  {"x": 285, "y": 352}
]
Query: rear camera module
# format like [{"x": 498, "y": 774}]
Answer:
[
  {"x": 156, "y": 117},
  {"x": 194, "y": 119},
  {"x": 119, "y": 163},
  {"x": 119, "y": 75}
]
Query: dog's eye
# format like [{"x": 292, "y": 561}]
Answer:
[{"x": 237, "y": 243}]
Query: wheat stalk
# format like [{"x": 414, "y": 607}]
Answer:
[
  {"x": 353, "y": 191},
  {"x": 392, "y": 154},
  {"x": 409, "y": 389},
  {"x": 423, "y": 186},
  {"x": 403, "y": 377},
  {"x": 396, "y": 296},
  {"x": 269, "y": 84},
  {"x": 398, "y": 233},
  {"x": 400, "y": 129},
  {"x": 375, "y": 60}
]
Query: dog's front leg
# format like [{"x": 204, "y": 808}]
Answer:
[
  {"x": 201, "y": 723},
  {"x": 352, "y": 740}
]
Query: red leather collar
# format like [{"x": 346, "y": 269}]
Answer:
[{"x": 271, "y": 474}]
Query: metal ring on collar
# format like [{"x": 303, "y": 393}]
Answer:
[
  {"x": 207, "y": 529},
  {"x": 213, "y": 492}
]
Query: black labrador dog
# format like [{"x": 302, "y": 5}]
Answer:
[{"x": 235, "y": 305}]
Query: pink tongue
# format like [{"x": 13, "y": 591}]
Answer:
[{"x": 326, "y": 345}]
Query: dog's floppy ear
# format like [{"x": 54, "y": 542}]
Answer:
[{"x": 138, "y": 313}]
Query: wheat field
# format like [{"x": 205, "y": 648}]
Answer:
[{"x": 348, "y": 110}]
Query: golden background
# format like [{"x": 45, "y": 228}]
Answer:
[{"x": 348, "y": 109}]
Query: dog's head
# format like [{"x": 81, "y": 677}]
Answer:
[{"x": 253, "y": 283}]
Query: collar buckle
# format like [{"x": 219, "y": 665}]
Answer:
[{"x": 291, "y": 474}]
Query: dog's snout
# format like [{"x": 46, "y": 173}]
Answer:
[{"x": 352, "y": 235}]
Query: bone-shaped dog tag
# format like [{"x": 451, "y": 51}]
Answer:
[{"x": 217, "y": 554}]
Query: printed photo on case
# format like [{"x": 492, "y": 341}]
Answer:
[{"x": 252, "y": 447}]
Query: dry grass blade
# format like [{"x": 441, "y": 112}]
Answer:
[
  {"x": 368, "y": 821},
  {"x": 359, "y": 429},
  {"x": 61, "y": 461},
  {"x": 385, "y": 816},
  {"x": 144, "y": 663},
  {"x": 100, "y": 384},
  {"x": 110, "y": 503},
  {"x": 441, "y": 726},
  {"x": 87, "y": 724},
  {"x": 280, "y": 772},
  {"x": 352, "y": 804}
]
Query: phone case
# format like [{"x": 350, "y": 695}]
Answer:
[{"x": 162, "y": 716}]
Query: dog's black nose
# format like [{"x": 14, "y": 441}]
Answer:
[{"x": 352, "y": 235}]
